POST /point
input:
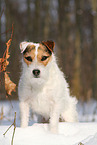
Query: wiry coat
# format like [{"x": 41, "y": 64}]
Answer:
[{"x": 47, "y": 95}]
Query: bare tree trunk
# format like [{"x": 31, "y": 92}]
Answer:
[
  {"x": 8, "y": 18},
  {"x": 0, "y": 21},
  {"x": 47, "y": 20},
  {"x": 77, "y": 60},
  {"x": 87, "y": 49},
  {"x": 29, "y": 24},
  {"x": 61, "y": 47},
  {"x": 76, "y": 82},
  {"x": 37, "y": 21},
  {"x": 66, "y": 37},
  {"x": 94, "y": 7}
]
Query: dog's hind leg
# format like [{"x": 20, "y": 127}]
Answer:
[
  {"x": 24, "y": 113},
  {"x": 70, "y": 115}
]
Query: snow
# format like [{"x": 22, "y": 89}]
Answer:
[
  {"x": 87, "y": 111},
  {"x": 38, "y": 134}
]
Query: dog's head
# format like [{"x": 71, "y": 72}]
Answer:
[{"x": 37, "y": 58}]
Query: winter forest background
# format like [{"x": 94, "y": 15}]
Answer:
[{"x": 72, "y": 24}]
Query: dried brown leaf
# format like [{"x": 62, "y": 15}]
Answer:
[
  {"x": 9, "y": 85},
  {"x": 3, "y": 61}
]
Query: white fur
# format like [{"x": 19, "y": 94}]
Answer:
[
  {"x": 36, "y": 52},
  {"x": 48, "y": 95},
  {"x": 24, "y": 44}
]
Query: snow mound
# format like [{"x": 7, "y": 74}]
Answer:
[{"x": 38, "y": 134}]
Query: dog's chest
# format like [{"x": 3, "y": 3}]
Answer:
[{"x": 41, "y": 102}]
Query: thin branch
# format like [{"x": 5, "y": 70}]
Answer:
[
  {"x": 14, "y": 129},
  {"x": 13, "y": 124},
  {"x": 7, "y": 129},
  {"x": 5, "y": 31}
]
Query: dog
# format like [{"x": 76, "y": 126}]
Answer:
[{"x": 43, "y": 87}]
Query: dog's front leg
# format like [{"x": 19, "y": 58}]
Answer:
[
  {"x": 24, "y": 113},
  {"x": 54, "y": 119}
]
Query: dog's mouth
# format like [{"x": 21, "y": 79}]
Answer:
[{"x": 36, "y": 76}]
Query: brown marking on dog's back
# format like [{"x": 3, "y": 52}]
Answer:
[{"x": 42, "y": 51}]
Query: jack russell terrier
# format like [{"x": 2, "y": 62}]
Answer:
[{"x": 42, "y": 86}]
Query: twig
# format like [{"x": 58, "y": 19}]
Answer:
[
  {"x": 14, "y": 129},
  {"x": 8, "y": 129},
  {"x": 13, "y": 124},
  {"x": 5, "y": 31},
  {"x": 4, "y": 117}
]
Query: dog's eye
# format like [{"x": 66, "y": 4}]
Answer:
[
  {"x": 28, "y": 58},
  {"x": 44, "y": 58}
]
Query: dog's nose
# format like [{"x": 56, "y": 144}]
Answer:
[{"x": 36, "y": 72}]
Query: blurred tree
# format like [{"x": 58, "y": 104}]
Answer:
[
  {"x": 66, "y": 39},
  {"x": 8, "y": 5},
  {"x": 76, "y": 81},
  {"x": 29, "y": 20},
  {"x": 37, "y": 21},
  {"x": 72, "y": 24},
  {"x": 47, "y": 20},
  {"x": 94, "y": 12},
  {"x": 0, "y": 20},
  {"x": 87, "y": 50}
]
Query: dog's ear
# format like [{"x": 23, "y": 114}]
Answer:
[
  {"x": 49, "y": 45},
  {"x": 23, "y": 46}
]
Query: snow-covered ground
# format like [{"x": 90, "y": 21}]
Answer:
[
  {"x": 84, "y": 132},
  {"x": 38, "y": 134}
]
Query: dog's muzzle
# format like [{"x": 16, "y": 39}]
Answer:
[{"x": 36, "y": 73}]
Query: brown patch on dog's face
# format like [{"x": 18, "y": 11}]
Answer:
[
  {"x": 43, "y": 56},
  {"x": 29, "y": 54}
]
